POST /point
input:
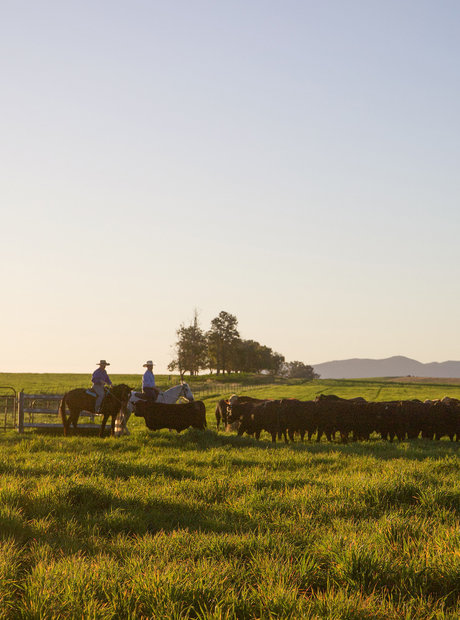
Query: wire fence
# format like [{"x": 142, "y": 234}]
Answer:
[{"x": 207, "y": 390}]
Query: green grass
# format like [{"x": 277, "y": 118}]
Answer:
[
  {"x": 371, "y": 389},
  {"x": 201, "y": 525},
  {"x": 62, "y": 382}
]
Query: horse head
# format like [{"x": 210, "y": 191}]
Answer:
[
  {"x": 186, "y": 391},
  {"x": 121, "y": 392}
]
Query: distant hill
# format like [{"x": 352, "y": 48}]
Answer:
[{"x": 397, "y": 366}]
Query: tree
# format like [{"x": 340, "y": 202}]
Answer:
[
  {"x": 221, "y": 339},
  {"x": 191, "y": 348},
  {"x": 251, "y": 356},
  {"x": 299, "y": 370}
]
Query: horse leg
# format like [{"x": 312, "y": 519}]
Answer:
[
  {"x": 67, "y": 422},
  {"x": 75, "y": 419},
  {"x": 124, "y": 423},
  {"x": 103, "y": 423},
  {"x": 112, "y": 425}
]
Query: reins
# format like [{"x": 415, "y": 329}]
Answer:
[{"x": 115, "y": 397}]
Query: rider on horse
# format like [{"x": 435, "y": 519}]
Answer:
[
  {"x": 148, "y": 382},
  {"x": 100, "y": 379}
]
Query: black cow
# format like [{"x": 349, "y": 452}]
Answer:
[
  {"x": 348, "y": 416},
  {"x": 257, "y": 417},
  {"x": 174, "y": 417},
  {"x": 301, "y": 417},
  {"x": 444, "y": 420}
]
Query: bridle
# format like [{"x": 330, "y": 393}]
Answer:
[
  {"x": 183, "y": 391},
  {"x": 109, "y": 392}
]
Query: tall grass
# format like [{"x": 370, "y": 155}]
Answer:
[
  {"x": 201, "y": 525},
  {"x": 195, "y": 525}
]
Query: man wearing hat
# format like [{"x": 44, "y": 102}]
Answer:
[
  {"x": 100, "y": 379},
  {"x": 148, "y": 382}
]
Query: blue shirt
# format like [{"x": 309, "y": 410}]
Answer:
[
  {"x": 148, "y": 380},
  {"x": 100, "y": 377}
]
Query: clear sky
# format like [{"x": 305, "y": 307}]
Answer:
[{"x": 294, "y": 163}]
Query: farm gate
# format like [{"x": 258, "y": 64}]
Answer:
[
  {"x": 8, "y": 407},
  {"x": 41, "y": 411}
]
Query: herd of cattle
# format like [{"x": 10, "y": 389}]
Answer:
[
  {"x": 353, "y": 418},
  {"x": 329, "y": 415}
]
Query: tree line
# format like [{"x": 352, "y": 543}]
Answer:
[{"x": 221, "y": 350}]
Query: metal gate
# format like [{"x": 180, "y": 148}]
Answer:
[{"x": 8, "y": 407}]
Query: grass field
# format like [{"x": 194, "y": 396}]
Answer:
[{"x": 201, "y": 525}]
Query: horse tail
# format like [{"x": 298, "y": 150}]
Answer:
[{"x": 61, "y": 412}]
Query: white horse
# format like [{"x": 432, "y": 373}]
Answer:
[{"x": 168, "y": 397}]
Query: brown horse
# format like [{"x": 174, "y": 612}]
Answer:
[{"x": 79, "y": 400}]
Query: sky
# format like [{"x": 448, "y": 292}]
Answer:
[{"x": 293, "y": 163}]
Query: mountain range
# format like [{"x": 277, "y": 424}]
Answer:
[{"x": 397, "y": 366}]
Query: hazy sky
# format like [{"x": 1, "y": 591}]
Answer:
[{"x": 294, "y": 163}]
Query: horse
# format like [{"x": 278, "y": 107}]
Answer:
[
  {"x": 168, "y": 397},
  {"x": 80, "y": 399}
]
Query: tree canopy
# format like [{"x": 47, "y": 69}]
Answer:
[{"x": 221, "y": 349}]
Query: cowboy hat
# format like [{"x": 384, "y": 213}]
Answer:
[
  {"x": 103, "y": 362},
  {"x": 148, "y": 363}
]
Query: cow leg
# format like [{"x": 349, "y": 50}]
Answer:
[{"x": 273, "y": 437}]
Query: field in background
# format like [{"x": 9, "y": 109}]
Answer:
[
  {"x": 207, "y": 525},
  {"x": 442, "y": 380},
  {"x": 371, "y": 389}
]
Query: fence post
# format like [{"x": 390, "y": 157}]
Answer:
[{"x": 21, "y": 412}]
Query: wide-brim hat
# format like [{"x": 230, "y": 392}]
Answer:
[
  {"x": 104, "y": 362},
  {"x": 148, "y": 363}
]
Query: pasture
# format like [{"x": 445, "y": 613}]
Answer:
[{"x": 207, "y": 525}]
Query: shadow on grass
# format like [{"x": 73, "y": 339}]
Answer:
[
  {"x": 111, "y": 469},
  {"x": 418, "y": 449},
  {"x": 81, "y": 515},
  {"x": 194, "y": 440}
]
